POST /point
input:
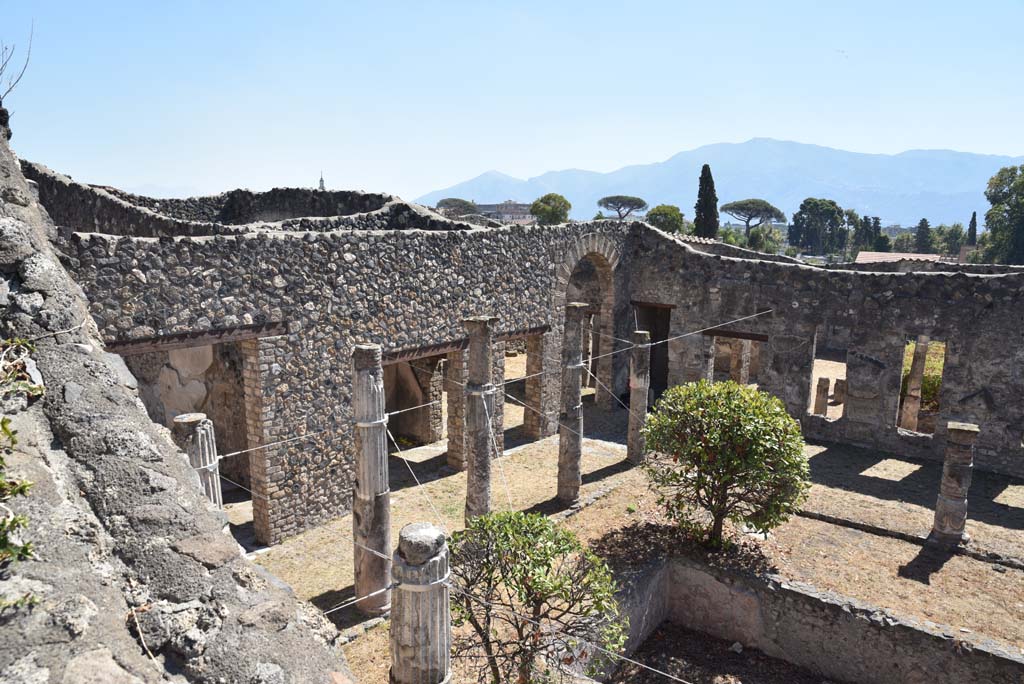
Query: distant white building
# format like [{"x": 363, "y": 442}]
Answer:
[{"x": 508, "y": 212}]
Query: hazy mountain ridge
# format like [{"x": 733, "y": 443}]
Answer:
[{"x": 941, "y": 185}]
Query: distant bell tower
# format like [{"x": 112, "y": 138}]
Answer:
[{"x": 322, "y": 181}]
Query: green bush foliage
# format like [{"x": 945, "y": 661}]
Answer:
[
  {"x": 535, "y": 598},
  {"x": 728, "y": 450}
]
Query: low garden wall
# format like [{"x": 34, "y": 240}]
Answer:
[{"x": 836, "y": 636}]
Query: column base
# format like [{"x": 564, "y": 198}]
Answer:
[{"x": 947, "y": 541}]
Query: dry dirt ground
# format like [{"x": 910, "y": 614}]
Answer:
[{"x": 975, "y": 599}]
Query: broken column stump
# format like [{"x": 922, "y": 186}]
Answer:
[
  {"x": 421, "y": 625},
  {"x": 193, "y": 433},
  {"x": 951, "y": 506},
  {"x": 821, "y": 397}
]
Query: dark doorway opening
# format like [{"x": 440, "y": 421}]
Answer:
[{"x": 656, "y": 319}]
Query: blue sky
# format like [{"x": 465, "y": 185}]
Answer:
[{"x": 407, "y": 97}]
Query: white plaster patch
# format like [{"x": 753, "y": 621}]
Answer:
[{"x": 192, "y": 362}]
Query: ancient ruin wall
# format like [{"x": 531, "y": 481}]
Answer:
[
  {"x": 75, "y": 206},
  {"x": 122, "y": 531},
  {"x": 978, "y": 316},
  {"x": 401, "y": 289},
  {"x": 244, "y": 206}
]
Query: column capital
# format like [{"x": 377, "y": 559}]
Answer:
[
  {"x": 419, "y": 542},
  {"x": 366, "y": 356},
  {"x": 962, "y": 433},
  {"x": 479, "y": 324}
]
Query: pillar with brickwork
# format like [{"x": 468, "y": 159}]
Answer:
[
  {"x": 912, "y": 401},
  {"x": 951, "y": 506},
  {"x": 839, "y": 392},
  {"x": 535, "y": 423},
  {"x": 371, "y": 497},
  {"x": 639, "y": 388},
  {"x": 821, "y": 397},
  {"x": 739, "y": 361},
  {"x": 193, "y": 433},
  {"x": 455, "y": 386},
  {"x": 421, "y": 626},
  {"x": 479, "y": 393},
  {"x": 570, "y": 421}
]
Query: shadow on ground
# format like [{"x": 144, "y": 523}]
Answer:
[{"x": 842, "y": 467}]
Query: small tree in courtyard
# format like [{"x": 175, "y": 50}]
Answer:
[
  {"x": 535, "y": 599},
  {"x": 728, "y": 450},
  {"x": 551, "y": 209},
  {"x": 623, "y": 205}
]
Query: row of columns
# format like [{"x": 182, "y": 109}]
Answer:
[
  {"x": 417, "y": 573},
  {"x": 371, "y": 517}
]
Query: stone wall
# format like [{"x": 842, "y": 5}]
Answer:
[
  {"x": 121, "y": 528},
  {"x": 976, "y": 315},
  {"x": 410, "y": 284},
  {"x": 401, "y": 289},
  {"x": 244, "y": 206},
  {"x": 76, "y": 207},
  {"x": 835, "y": 636},
  {"x": 920, "y": 266}
]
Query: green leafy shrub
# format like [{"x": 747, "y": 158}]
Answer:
[
  {"x": 728, "y": 450},
  {"x": 535, "y": 599}
]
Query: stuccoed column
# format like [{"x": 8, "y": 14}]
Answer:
[
  {"x": 371, "y": 497},
  {"x": 479, "y": 405},
  {"x": 421, "y": 625},
  {"x": 951, "y": 507},
  {"x": 912, "y": 400},
  {"x": 639, "y": 387},
  {"x": 193, "y": 433},
  {"x": 570, "y": 422}
]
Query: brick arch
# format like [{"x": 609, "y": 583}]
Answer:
[{"x": 605, "y": 256}]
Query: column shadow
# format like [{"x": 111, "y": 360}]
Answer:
[{"x": 929, "y": 561}]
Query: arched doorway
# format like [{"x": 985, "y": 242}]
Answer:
[{"x": 588, "y": 275}]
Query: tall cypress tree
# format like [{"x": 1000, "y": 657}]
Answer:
[
  {"x": 923, "y": 237},
  {"x": 705, "y": 222},
  {"x": 972, "y": 230}
]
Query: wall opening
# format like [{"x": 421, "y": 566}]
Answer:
[
  {"x": 737, "y": 359},
  {"x": 590, "y": 282},
  {"x": 656, "y": 320},
  {"x": 415, "y": 388},
  {"x": 204, "y": 379},
  {"x": 921, "y": 384},
  {"x": 828, "y": 376}
]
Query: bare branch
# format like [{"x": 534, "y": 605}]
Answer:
[{"x": 13, "y": 82}]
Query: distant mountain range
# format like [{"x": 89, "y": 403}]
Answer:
[{"x": 940, "y": 185}]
